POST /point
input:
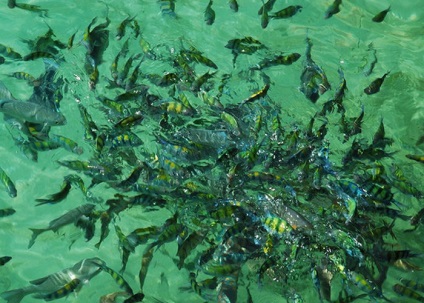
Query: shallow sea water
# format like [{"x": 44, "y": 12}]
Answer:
[{"x": 341, "y": 41}]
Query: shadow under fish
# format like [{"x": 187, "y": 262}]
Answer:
[
  {"x": 313, "y": 81},
  {"x": 48, "y": 286}
]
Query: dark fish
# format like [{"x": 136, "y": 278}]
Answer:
[
  {"x": 374, "y": 87},
  {"x": 257, "y": 95},
  {"x": 209, "y": 14},
  {"x": 417, "y": 158},
  {"x": 333, "y": 9},
  {"x": 313, "y": 79},
  {"x": 381, "y": 15},
  {"x": 287, "y": 12},
  {"x": 4, "y": 260},
  {"x": 56, "y": 197},
  {"x": 10, "y": 187},
  {"x": 267, "y": 6},
  {"x": 277, "y": 60},
  {"x": 233, "y": 5},
  {"x": 264, "y": 16},
  {"x": 4, "y": 212}
]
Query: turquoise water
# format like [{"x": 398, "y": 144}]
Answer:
[{"x": 341, "y": 41}]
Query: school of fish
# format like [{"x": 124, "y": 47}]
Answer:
[{"x": 255, "y": 201}]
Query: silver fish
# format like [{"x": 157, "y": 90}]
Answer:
[
  {"x": 70, "y": 217},
  {"x": 84, "y": 271},
  {"x": 31, "y": 112}
]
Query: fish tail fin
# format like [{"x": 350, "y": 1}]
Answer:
[
  {"x": 14, "y": 296},
  {"x": 35, "y": 234}
]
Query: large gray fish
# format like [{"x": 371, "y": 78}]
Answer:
[
  {"x": 70, "y": 217},
  {"x": 84, "y": 271},
  {"x": 31, "y": 112},
  {"x": 28, "y": 111}
]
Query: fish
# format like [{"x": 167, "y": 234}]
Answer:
[
  {"x": 120, "y": 31},
  {"x": 10, "y": 186},
  {"x": 333, "y": 9},
  {"x": 84, "y": 271},
  {"x": 233, "y": 5},
  {"x": 287, "y": 12},
  {"x": 209, "y": 14},
  {"x": 69, "y": 217},
  {"x": 67, "y": 144},
  {"x": 31, "y": 112},
  {"x": 267, "y": 7},
  {"x": 145, "y": 261},
  {"x": 381, "y": 15},
  {"x": 257, "y": 95},
  {"x": 264, "y": 16},
  {"x": 417, "y": 158},
  {"x": 5, "y": 212},
  {"x": 407, "y": 292},
  {"x": 56, "y": 197},
  {"x": 375, "y": 85},
  {"x": 277, "y": 60},
  {"x": 68, "y": 288},
  {"x": 368, "y": 70},
  {"x": 313, "y": 79},
  {"x": 11, "y": 3},
  {"x": 9, "y": 52},
  {"x": 4, "y": 260}
]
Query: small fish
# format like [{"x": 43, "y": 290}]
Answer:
[
  {"x": 11, "y": 3},
  {"x": 9, "y": 52},
  {"x": 374, "y": 87},
  {"x": 287, "y": 12},
  {"x": 417, "y": 158},
  {"x": 56, "y": 197},
  {"x": 10, "y": 187},
  {"x": 370, "y": 67},
  {"x": 381, "y": 15},
  {"x": 120, "y": 31},
  {"x": 264, "y": 16},
  {"x": 257, "y": 95},
  {"x": 145, "y": 261},
  {"x": 67, "y": 144},
  {"x": 333, "y": 9},
  {"x": 277, "y": 60},
  {"x": 209, "y": 14},
  {"x": 407, "y": 292},
  {"x": 267, "y": 7},
  {"x": 4, "y": 260},
  {"x": 5, "y": 212},
  {"x": 233, "y": 5}
]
